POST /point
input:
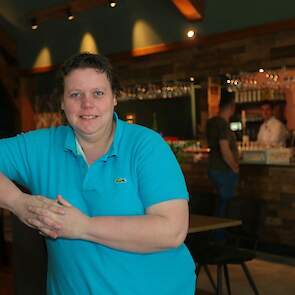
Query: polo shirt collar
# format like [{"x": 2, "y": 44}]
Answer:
[
  {"x": 70, "y": 141},
  {"x": 114, "y": 148}
]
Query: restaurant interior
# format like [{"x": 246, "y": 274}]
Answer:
[{"x": 175, "y": 59}]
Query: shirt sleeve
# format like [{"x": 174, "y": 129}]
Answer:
[
  {"x": 13, "y": 159},
  {"x": 222, "y": 132},
  {"x": 159, "y": 175},
  {"x": 278, "y": 134},
  {"x": 275, "y": 133},
  {"x": 260, "y": 134}
]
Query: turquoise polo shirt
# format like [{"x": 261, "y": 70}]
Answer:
[{"x": 138, "y": 171}]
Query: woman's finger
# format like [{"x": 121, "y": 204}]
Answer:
[
  {"x": 35, "y": 223},
  {"x": 56, "y": 208},
  {"x": 41, "y": 210},
  {"x": 48, "y": 233},
  {"x": 41, "y": 221},
  {"x": 63, "y": 202}
]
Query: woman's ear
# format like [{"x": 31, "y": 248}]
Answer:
[
  {"x": 62, "y": 106},
  {"x": 115, "y": 101}
]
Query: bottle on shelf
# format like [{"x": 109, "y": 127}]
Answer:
[
  {"x": 249, "y": 95},
  {"x": 254, "y": 95},
  {"x": 258, "y": 97},
  {"x": 237, "y": 96}
]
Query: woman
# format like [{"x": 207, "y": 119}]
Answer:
[{"x": 121, "y": 215}]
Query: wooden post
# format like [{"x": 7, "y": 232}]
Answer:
[
  {"x": 214, "y": 93},
  {"x": 25, "y": 105}
]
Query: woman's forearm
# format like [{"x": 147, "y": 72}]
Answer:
[
  {"x": 147, "y": 233},
  {"x": 163, "y": 226},
  {"x": 9, "y": 193},
  {"x": 14, "y": 200}
]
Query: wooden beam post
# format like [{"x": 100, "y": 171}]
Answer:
[{"x": 190, "y": 9}]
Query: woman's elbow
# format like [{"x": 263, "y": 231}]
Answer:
[{"x": 178, "y": 238}]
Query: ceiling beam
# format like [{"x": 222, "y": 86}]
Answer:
[
  {"x": 59, "y": 11},
  {"x": 190, "y": 9},
  {"x": 8, "y": 45}
]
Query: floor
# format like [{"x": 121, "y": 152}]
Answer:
[{"x": 271, "y": 278}]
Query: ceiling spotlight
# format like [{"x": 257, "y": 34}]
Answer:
[
  {"x": 192, "y": 79},
  {"x": 34, "y": 24},
  {"x": 69, "y": 13},
  {"x": 191, "y": 34},
  {"x": 112, "y": 4}
]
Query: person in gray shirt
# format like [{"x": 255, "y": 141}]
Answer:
[{"x": 223, "y": 166}]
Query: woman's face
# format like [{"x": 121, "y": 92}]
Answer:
[{"x": 88, "y": 102}]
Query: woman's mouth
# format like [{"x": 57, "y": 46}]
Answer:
[{"x": 88, "y": 117}]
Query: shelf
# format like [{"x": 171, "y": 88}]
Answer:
[{"x": 255, "y": 103}]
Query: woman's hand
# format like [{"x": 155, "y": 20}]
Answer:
[
  {"x": 72, "y": 224},
  {"x": 24, "y": 202}
]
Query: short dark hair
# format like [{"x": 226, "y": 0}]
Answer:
[
  {"x": 267, "y": 102},
  {"x": 226, "y": 101},
  {"x": 83, "y": 61}
]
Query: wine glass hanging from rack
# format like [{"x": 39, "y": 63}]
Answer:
[{"x": 165, "y": 90}]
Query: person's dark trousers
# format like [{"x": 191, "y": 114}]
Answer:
[{"x": 225, "y": 183}]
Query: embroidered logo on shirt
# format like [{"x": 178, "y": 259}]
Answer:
[{"x": 120, "y": 180}]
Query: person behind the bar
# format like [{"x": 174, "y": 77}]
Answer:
[
  {"x": 272, "y": 132},
  {"x": 115, "y": 212},
  {"x": 223, "y": 162}
]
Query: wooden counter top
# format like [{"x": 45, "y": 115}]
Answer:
[{"x": 201, "y": 223}]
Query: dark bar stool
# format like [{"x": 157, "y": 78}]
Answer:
[
  {"x": 3, "y": 256},
  {"x": 29, "y": 260}
]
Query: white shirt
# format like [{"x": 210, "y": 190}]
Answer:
[{"x": 272, "y": 133}]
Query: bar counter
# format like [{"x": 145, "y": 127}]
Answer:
[{"x": 275, "y": 184}]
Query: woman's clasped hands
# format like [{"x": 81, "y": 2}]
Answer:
[{"x": 57, "y": 218}]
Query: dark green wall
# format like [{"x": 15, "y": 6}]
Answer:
[{"x": 172, "y": 116}]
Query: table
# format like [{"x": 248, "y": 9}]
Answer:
[{"x": 201, "y": 223}]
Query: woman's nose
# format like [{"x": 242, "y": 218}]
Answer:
[{"x": 87, "y": 101}]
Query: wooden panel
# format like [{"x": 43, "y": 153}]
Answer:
[
  {"x": 189, "y": 9},
  {"x": 283, "y": 51},
  {"x": 8, "y": 44}
]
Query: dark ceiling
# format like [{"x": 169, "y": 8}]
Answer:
[
  {"x": 161, "y": 16},
  {"x": 17, "y": 12}
]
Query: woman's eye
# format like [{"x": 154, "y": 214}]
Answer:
[
  {"x": 75, "y": 94},
  {"x": 98, "y": 93}
]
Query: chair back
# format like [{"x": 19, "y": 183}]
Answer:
[
  {"x": 203, "y": 203},
  {"x": 252, "y": 213}
]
